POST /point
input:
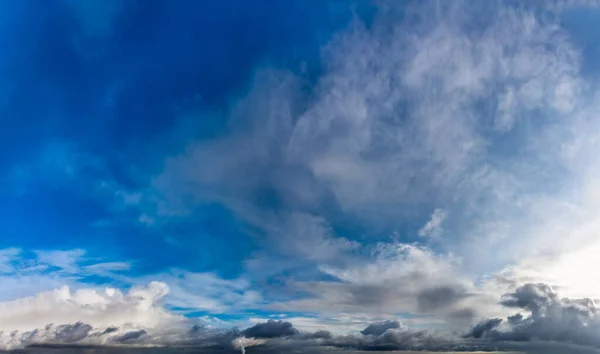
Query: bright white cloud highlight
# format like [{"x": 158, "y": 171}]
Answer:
[{"x": 97, "y": 307}]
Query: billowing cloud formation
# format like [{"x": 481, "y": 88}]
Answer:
[
  {"x": 548, "y": 318},
  {"x": 98, "y": 307}
]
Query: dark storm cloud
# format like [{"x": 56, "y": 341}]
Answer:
[
  {"x": 271, "y": 329},
  {"x": 322, "y": 334},
  {"x": 532, "y": 297},
  {"x": 379, "y": 328},
  {"x": 484, "y": 327}
]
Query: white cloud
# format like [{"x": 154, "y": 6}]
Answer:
[
  {"x": 433, "y": 227},
  {"x": 66, "y": 260},
  {"x": 495, "y": 123},
  {"x": 241, "y": 343},
  {"x": 7, "y": 256},
  {"x": 25, "y": 274},
  {"x": 52, "y": 270},
  {"x": 398, "y": 279},
  {"x": 98, "y": 307},
  {"x": 207, "y": 291},
  {"x": 404, "y": 118}
]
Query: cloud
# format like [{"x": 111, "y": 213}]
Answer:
[
  {"x": 439, "y": 297},
  {"x": 406, "y": 117},
  {"x": 72, "y": 333},
  {"x": 434, "y": 225},
  {"x": 26, "y": 273},
  {"x": 206, "y": 291},
  {"x": 484, "y": 327},
  {"x": 97, "y": 307},
  {"x": 84, "y": 335},
  {"x": 130, "y": 336},
  {"x": 565, "y": 322},
  {"x": 479, "y": 113},
  {"x": 241, "y": 343},
  {"x": 7, "y": 257},
  {"x": 65, "y": 260},
  {"x": 395, "y": 278},
  {"x": 548, "y": 318},
  {"x": 380, "y": 327},
  {"x": 271, "y": 329}
]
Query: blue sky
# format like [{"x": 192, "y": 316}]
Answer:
[
  {"x": 112, "y": 110},
  {"x": 332, "y": 163}
]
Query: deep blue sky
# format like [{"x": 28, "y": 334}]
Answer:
[{"x": 108, "y": 84}]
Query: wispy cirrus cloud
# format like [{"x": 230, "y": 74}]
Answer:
[{"x": 475, "y": 123}]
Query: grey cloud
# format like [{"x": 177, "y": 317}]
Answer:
[
  {"x": 379, "y": 328},
  {"x": 484, "y": 327},
  {"x": 532, "y": 297},
  {"x": 522, "y": 334},
  {"x": 398, "y": 278},
  {"x": 549, "y": 318},
  {"x": 110, "y": 330},
  {"x": 322, "y": 334},
  {"x": 130, "y": 336},
  {"x": 82, "y": 334},
  {"x": 406, "y": 339},
  {"x": 271, "y": 329},
  {"x": 462, "y": 314},
  {"x": 72, "y": 333},
  {"x": 435, "y": 298}
]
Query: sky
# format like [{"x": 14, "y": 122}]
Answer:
[{"x": 300, "y": 175}]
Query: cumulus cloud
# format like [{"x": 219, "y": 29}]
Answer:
[
  {"x": 98, "y": 307},
  {"x": 548, "y": 317}
]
